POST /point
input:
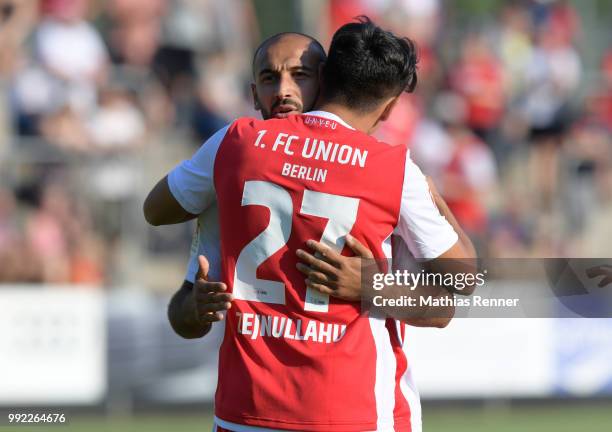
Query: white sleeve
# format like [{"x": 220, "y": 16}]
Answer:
[
  {"x": 207, "y": 242},
  {"x": 426, "y": 232},
  {"x": 192, "y": 266},
  {"x": 192, "y": 181}
]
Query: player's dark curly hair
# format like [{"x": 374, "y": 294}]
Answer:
[{"x": 366, "y": 65}]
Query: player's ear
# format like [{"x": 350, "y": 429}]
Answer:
[
  {"x": 388, "y": 109},
  {"x": 256, "y": 103},
  {"x": 384, "y": 114}
]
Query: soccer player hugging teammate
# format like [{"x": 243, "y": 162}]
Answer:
[{"x": 298, "y": 355}]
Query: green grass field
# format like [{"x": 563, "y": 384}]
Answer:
[{"x": 562, "y": 418}]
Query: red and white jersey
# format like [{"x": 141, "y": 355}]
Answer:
[{"x": 291, "y": 358}]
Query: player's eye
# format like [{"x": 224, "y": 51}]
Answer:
[
  {"x": 300, "y": 74},
  {"x": 267, "y": 79}
]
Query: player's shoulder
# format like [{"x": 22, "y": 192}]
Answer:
[
  {"x": 243, "y": 125},
  {"x": 400, "y": 152},
  {"x": 244, "y": 121}
]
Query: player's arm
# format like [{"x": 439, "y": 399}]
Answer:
[
  {"x": 438, "y": 315},
  {"x": 462, "y": 255},
  {"x": 329, "y": 272},
  {"x": 161, "y": 208},
  {"x": 464, "y": 240},
  {"x": 196, "y": 306},
  {"x": 188, "y": 189},
  {"x": 430, "y": 230},
  {"x": 430, "y": 236}
]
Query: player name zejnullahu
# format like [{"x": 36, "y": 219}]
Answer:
[{"x": 490, "y": 288}]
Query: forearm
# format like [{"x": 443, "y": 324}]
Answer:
[
  {"x": 421, "y": 306},
  {"x": 461, "y": 259},
  {"x": 434, "y": 316},
  {"x": 428, "y": 322},
  {"x": 183, "y": 316}
]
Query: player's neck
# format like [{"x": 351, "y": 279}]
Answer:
[{"x": 361, "y": 122}]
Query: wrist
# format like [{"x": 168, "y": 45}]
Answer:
[{"x": 192, "y": 318}]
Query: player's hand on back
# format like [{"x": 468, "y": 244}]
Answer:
[
  {"x": 210, "y": 298},
  {"x": 329, "y": 272}
]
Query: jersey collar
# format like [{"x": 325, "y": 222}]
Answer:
[{"x": 330, "y": 116}]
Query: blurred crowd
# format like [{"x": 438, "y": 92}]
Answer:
[
  {"x": 505, "y": 122},
  {"x": 86, "y": 86},
  {"x": 504, "y": 119}
]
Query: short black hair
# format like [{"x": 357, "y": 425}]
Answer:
[
  {"x": 264, "y": 44},
  {"x": 367, "y": 64}
]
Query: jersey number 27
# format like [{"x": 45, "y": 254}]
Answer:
[{"x": 341, "y": 213}]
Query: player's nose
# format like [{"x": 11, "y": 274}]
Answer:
[{"x": 287, "y": 87}]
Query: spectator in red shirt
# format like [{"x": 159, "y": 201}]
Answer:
[{"x": 479, "y": 78}]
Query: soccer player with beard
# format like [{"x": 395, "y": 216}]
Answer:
[
  {"x": 285, "y": 82},
  {"x": 271, "y": 296}
]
